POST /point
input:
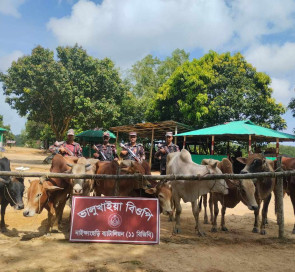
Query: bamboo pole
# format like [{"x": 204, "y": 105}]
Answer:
[
  {"x": 175, "y": 138},
  {"x": 151, "y": 151},
  {"x": 150, "y": 177},
  {"x": 184, "y": 142},
  {"x": 117, "y": 136},
  {"x": 279, "y": 194},
  {"x": 249, "y": 147},
  {"x": 212, "y": 145}
]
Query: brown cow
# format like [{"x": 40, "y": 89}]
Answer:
[
  {"x": 264, "y": 186},
  {"x": 238, "y": 190},
  {"x": 289, "y": 182},
  {"x": 126, "y": 187},
  {"x": 50, "y": 194}
]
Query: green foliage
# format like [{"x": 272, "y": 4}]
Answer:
[
  {"x": 7, "y": 135},
  {"x": 285, "y": 149},
  {"x": 150, "y": 73},
  {"x": 74, "y": 88},
  {"x": 291, "y": 106},
  {"x": 216, "y": 89}
]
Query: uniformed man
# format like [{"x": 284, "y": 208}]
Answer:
[
  {"x": 105, "y": 151},
  {"x": 68, "y": 147},
  {"x": 137, "y": 151},
  {"x": 164, "y": 150}
]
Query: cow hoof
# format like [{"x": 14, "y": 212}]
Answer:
[
  {"x": 293, "y": 232},
  {"x": 255, "y": 230},
  {"x": 263, "y": 232},
  {"x": 177, "y": 230},
  {"x": 201, "y": 234},
  {"x": 224, "y": 229},
  {"x": 54, "y": 231},
  {"x": 213, "y": 229}
]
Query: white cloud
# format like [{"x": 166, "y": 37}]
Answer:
[
  {"x": 10, "y": 7},
  {"x": 282, "y": 90},
  {"x": 128, "y": 30},
  {"x": 5, "y": 61},
  {"x": 273, "y": 59}
]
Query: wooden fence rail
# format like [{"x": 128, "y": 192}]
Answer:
[{"x": 150, "y": 177}]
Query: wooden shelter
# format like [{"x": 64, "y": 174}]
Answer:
[{"x": 152, "y": 131}]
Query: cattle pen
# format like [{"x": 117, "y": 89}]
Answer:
[{"x": 279, "y": 175}]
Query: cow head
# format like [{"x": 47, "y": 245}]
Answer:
[
  {"x": 13, "y": 191},
  {"x": 254, "y": 163},
  {"x": 163, "y": 191},
  {"x": 78, "y": 184},
  {"x": 247, "y": 193},
  {"x": 38, "y": 196},
  {"x": 218, "y": 185}
]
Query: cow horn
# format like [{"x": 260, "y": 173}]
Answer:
[
  {"x": 42, "y": 179},
  {"x": 87, "y": 165},
  {"x": 70, "y": 165}
]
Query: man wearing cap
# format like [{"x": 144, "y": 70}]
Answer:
[
  {"x": 105, "y": 151},
  {"x": 68, "y": 147},
  {"x": 136, "y": 148},
  {"x": 164, "y": 150}
]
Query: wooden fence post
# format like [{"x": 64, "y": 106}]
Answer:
[{"x": 279, "y": 194}]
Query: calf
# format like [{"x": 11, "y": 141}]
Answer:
[
  {"x": 264, "y": 186},
  {"x": 238, "y": 190},
  {"x": 83, "y": 166},
  {"x": 11, "y": 191}
]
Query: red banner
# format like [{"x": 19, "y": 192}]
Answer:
[{"x": 115, "y": 220}]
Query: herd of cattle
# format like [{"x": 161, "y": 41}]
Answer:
[{"x": 53, "y": 193}]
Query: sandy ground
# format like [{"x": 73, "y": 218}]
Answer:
[{"x": 25, "y": 248}]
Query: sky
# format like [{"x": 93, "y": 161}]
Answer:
[{"x": 128, "y": 30}]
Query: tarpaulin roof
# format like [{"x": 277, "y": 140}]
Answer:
[
  {"x": 240, "y": 131},
  {"x": 160, "y": 128},
  {"x": 93, "y": 135},
  {"x": 2, "y": 129}
]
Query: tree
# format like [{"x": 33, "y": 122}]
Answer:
[
  {"x": 8, "y": 135},
  {"x": 216, "y": 89},
  {"x": 150, "y": 73},
  {"x": 74, "y": 88},
  {"x": 291, "y": 106}
]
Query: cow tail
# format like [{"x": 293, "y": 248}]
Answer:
[{"x": 200, "y": 203}]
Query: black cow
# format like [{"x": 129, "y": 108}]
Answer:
[{"x": 11, "y": 191}]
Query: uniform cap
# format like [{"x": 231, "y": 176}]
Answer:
[
  {"x": 169, "y": 134},
  {"x": 106, "y": 134},
  {"x": 71, "y": 132},
  {"x": 132, "y": 134}
]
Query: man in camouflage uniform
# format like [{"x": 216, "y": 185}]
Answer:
[
  {"x": 105, "y": 151},
  {"x": 164, "y": 150},
  {"x": 136, "y": 148},
  {"x": 68, "y": 147}
]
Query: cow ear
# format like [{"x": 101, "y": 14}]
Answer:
[
  {"x": 51, "y": 188},
  {"x": 242, "y": 160},
  {"x": 151, "y": 191},
  {"x": 205, "y": 162}
]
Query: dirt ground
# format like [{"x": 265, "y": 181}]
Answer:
[{"x": 25, "y": 248}]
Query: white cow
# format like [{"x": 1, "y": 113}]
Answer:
[{"x": 190, "y": 190}]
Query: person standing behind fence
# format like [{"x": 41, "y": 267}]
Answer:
[
  {"x": 164, "y": 150},
  {"x": 68, "y": 147},
  {"x": 105, "y": 151},
  {"x": 135, "y": 148}
]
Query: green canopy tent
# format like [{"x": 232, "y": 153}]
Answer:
[
  {"x": 93, "y": 137},
  {"x": 240, "y": 131}
]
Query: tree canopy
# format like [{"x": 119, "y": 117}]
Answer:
[
  {"x": 291, "y": 106},
  {"x": 215, "y": 89},
  {"x": 8, "y": 135},
  {"x": 73, "y": 88}
]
